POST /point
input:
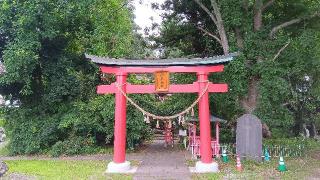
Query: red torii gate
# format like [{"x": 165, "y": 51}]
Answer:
[{"x": 121, "y": 68}]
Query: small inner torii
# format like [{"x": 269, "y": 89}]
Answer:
[{"x": 162, "y": 69}]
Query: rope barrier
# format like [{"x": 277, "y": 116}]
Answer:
[{"x": 157, "y": 117}]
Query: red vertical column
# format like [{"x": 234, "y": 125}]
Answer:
[
  {"x": 204, "y": 118},
  {"x": 119, "y": 154}
]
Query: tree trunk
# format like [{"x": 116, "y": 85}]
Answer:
[
  {"x": 314, "y": 132},
  {"x": 239, "y": 38},
  {"x": 220, "y": 26},
  {"x": 249, "y": 103},
  {"x": 257, "y": 15},
  {"x": 216, "y": 18},
  {"x": 224, "y": 40}
]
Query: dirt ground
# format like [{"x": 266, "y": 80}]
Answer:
[
  {"x": 165, "y": 163},
  {"x": 316, "y": 173}
]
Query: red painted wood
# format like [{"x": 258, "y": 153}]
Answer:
[
  {"x": 218, "y": 88},
  {"x": 119, "y": 155},
  {"x": 172, "y": 69},
  {"x": 106, "y": 89},
  {"x": 150, "y": 89},
  {"x": 204, "y": 119},
  {"x": 197, "y": 87}
]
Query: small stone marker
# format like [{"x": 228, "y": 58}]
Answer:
[
  {"x": 249, "y": 137},
  {"x": 3, "y": 168},
  {"x": 2, "y": 134}
]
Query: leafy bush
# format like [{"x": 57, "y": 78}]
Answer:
[
  {"x": 43, "y": 52},
  {"x": 72, "y": 146},
  {"x": 74, "y": 129},
  {"x": 308, "y": 143},
  {"x": 2, "y": 122}
]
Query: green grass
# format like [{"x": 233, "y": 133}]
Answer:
[
  {"x": 298, "y": 168},
  {"x": 61, "y": 169}
]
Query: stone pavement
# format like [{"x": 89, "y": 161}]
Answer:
[{"x": 162, "y": 163}]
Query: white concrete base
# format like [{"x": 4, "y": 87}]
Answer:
[
  {"x": 120, "y": 168},
  {"x": 205, "y": 167}
]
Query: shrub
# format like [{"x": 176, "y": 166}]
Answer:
[{"x": 77, "y": 128}]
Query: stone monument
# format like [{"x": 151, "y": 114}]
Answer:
[
  {"x": 3, "y": 168},
  {"x": 249, "y": 137},
  {"x": 2, "y": 134}
]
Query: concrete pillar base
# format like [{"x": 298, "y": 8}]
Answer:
[
  {"x": 206, "y": 167},
  {"x": 119, "y": 167}
]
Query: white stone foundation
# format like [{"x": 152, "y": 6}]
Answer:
[
  {"x": 206, "y": 167},
  {"x": 120, "y": 168}
]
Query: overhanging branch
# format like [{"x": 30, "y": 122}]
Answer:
[
  {"x": 282, "y": 49},
  {"x": 209, "y": 34},
  {"x": 267, "y": 4},
  {"x": 213, "y": 18},
  {"x": 291, "y": 22}
]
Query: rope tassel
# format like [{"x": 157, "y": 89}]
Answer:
[{"x": 146, "y": 119}]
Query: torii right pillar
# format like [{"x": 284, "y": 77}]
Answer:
[{"x": 206, "y": 164}]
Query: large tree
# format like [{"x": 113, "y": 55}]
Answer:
[
  {"x": 278, "y": 42},
  {"x": 42, "y": 46}
]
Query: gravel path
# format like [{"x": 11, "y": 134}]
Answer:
[
  {"x": 17, "y": 176},
  {"x": 162, "y": 163}
]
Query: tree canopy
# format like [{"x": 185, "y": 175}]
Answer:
[
  {"x": 42, "y": 47},
  {"x": 276, "y": 76}
]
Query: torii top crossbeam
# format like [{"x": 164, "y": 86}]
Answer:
[
  {"x": 175, "y": 65},
  {"x": 162, "y": 62},
  {"x": 162, "y": 68}
]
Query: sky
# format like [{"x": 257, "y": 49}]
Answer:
[{"x": 143, "y": 12}]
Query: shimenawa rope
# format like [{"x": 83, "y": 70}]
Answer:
[{"x": 157, "y": 117}]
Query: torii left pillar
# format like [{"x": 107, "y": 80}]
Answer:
[{"x": 119, "y": 163}]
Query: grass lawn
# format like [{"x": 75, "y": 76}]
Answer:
[
  {"x": 298, "y": 168},
  {"x": 62, "y": 169}
]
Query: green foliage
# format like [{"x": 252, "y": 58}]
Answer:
[
  {"x": 280, "y": 102},
  {"x": 307, "y": 143},
  {"x": 43, "y": 46},
  {"x": 2, "y": 122}
]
